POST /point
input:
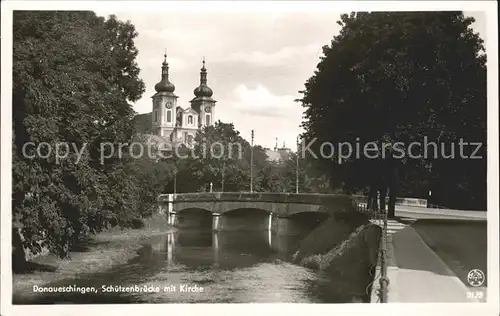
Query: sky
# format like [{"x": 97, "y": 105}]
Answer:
[{"x": 257, "y": 62}]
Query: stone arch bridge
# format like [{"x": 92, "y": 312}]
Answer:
[{"x": 277, "y": 212}]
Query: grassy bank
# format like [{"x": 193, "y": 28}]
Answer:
[
  {"x": 329, "y": 234},
  {"x": 343, "y": 250},
  {"x": 462, "y": 245},
  {"x": 100, "y": 253}
]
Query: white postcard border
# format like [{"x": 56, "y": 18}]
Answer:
[{"x": 489, "y": 308}]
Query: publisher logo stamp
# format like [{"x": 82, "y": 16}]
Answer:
[{"x": 475, "y": 277}]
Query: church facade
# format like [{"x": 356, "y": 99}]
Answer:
[{"x": 175, "y": 123}]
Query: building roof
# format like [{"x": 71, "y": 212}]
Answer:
[
  {"x": 284, "y": 153},
  {"x": 273, "y": 155},
  {"x": 190, "y": 110},
  {"x": 203, "y": 98},
  {"x": 279, "y": 155}
]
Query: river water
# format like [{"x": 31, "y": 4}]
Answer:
[{"x": 230, "y": 267}]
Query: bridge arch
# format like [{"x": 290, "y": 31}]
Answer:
[
  {"x": 247, "y": 211},
  {"x": 320, "y": 215},
  {"x": 305, "y": 221},
  {"x": 225, "y": 206},
  {"x": 193, "y": 217},
  {"x": 183, "y": 206},
  {"x": 193, "y": 210},
  {"x": 244, "y": 219}
]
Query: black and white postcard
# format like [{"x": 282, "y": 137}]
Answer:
[{"x": 193, "y": 157}]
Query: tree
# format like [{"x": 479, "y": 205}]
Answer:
[
  {"x": 74, "y": 74},
  {"x": 375, "y": 84},
  {"x": 143, "y": 123},
  {"x": 222, "y": 157},
  {"x": 282, "y": 176}
]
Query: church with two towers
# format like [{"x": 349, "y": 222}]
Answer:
[{"x": 174, "y": 123}]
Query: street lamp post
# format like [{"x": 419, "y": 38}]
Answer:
[
  {"x": 251, "y": 164},
  {"x": 297, "y": 168}
]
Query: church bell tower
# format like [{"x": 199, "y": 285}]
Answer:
[
  {"x": 203, "y": 102},
  {"x": 164, "y": 104}
]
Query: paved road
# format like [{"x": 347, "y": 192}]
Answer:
[
  {"x": 435, "y": 213},
  {"x": 416, "y": 272},
  {"x": 421, "y": 275}
]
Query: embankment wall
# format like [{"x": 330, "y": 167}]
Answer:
[{"x": 346, "y": 252}]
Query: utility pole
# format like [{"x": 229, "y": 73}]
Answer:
[
  {"x": 223, "y": 173},
  {"x": 251, "y": 164},
  {"x": 175, "y": 181},
  {"x": 297, "y": 168},
  {"x": 175, "y": 175}
]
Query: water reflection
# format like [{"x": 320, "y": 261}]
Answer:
[
  {"x": 225, "y": 249},
  {"x": 250, "y": 266},
  {"x": 245, "y": 266}
]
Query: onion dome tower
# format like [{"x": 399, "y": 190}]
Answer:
[
  {"x": 164, "y": 85},
  {"x": 203, "y": 90},
  {"x": 164, "y": 104},
  {"x": 203, "y": 102}
]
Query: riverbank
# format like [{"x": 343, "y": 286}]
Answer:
[
  {"x": 104, "y": 251},
  {"x": 345, "y": 252}
]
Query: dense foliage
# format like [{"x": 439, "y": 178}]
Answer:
[
  {"x": 74, "y": 77},
  {"x": 222, "y": 157},
  {"x": 74, "y": 74},
  {"x": 402, "y": 77},
  {"x": 143, "y": 123}
]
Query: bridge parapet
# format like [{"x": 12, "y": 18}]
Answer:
[
  {"x": 281, "y": 207},
  {"x": 403, "y": 201},
  {"x": 279, "y": 197}
]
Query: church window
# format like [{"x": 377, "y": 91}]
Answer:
[
  {"x": 207, "y": 119},
  {"x": 169, "y": 116},
  {"x": 190, "y": 119},
  {"x": 185, "y": 136},
  {"x": 156, "y": 116}
]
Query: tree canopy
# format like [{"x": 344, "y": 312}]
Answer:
[
  {"x": 74, "y": 74},
  {"x": 222, "y": 157},
  {"x": 402, "y": 77}
]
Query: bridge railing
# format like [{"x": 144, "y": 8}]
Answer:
[
  {"x": 301, "y": 198},
  {"x": 415, "y": 202},
  {"x": 384, "y": 280},
  {"x": 437, "y": 206},
  {"x": 380, "y": 218}
]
